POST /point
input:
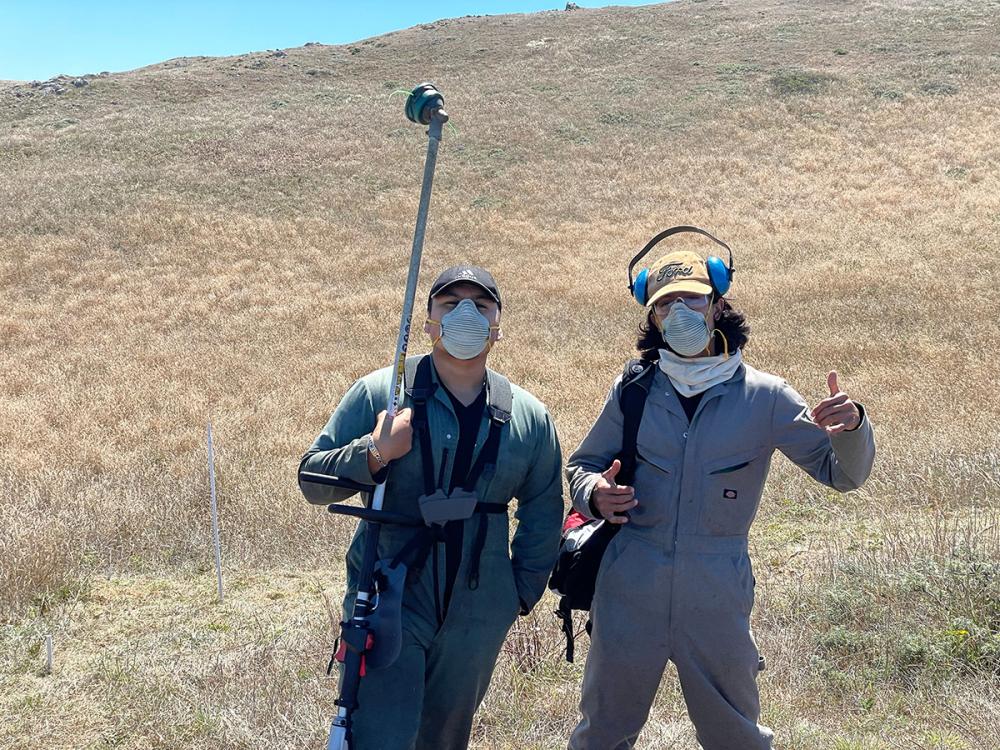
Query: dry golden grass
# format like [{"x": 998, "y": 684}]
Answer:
[{"x": 227, "y": 239}]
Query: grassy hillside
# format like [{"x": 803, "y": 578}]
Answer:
[{"x": 227, "y": 239}]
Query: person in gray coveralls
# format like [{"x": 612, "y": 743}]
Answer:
[{"x": 675, "y": 583}]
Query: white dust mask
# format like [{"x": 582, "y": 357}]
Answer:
[
  {"x": 686, "y": 330},
  {"x": 465, "y": 331}
]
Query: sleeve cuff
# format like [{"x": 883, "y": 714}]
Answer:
[
  {"x": 379, "y": 476},
  {"x": 861, "y": 421},
  {"x": 583, "y": 494},
  {"x": 594, "y": 512},
  {"x": 356, "y": 465}
]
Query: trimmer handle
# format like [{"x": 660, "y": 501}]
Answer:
[
  {"x": 331, "y": 481},
  {"x": 375, "y": 516},
  {"x": 365, "y": 514}
]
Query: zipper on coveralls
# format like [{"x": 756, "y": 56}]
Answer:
[
  {"x": 687, "y": 442},
  {"x": 688, "y": 439}
]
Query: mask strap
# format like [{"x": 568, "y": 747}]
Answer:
[
  {"x": 489, "y": 338},
  {"x": 434, "y": 341},
  {"x": 725, "y": 342}
]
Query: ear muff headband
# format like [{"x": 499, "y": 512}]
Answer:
[{"x": 719, "y": 274}]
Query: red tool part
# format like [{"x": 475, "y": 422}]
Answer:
[{"x": 342, "y": 652}]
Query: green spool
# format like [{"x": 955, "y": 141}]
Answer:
[{"x": 422, "y": 102}]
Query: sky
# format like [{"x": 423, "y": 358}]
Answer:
[{"x": 40, "y": 39}]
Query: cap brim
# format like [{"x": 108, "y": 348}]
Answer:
[
  {"x": 691, "y": 286},
  {"x": 436, "y": 292}
]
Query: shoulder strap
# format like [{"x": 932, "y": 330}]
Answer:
[
  {"x": 422, "y": 387},
  {"x": 636, "y": 380},
  {"x": 499, "y": 398},
  {"x": 418, "y": 367},
  {"x": 499, "y": 407},
  {"x": 639, "y": 370}
]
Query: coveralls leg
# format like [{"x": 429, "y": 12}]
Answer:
[
  {"x": 720, "y": 690},
  {"x": 628, "y": 653},
  {"x": 460, "y": 665},
  {"x": 638, "y": 626},
  {"x": 714, "y": 650},
  {"x": 390, "y": 700},
  {"x": 426, "y": 699}
]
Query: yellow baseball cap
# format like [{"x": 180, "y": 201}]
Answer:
[{"x": 680, "y": 271}]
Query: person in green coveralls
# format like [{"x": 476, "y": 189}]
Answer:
[{"x": 463, "y": 429}]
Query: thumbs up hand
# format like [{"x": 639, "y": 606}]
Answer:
[
  {"x": 613, "y": 501},
  {"x": 837, "y": 412}
]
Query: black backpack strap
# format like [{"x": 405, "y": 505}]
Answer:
[
  {"x": 636, "y": 380},
  {"x": 565, "y": 615},
  {"x": 499, "y": 407},
  {"x": 575, "y": 574},
  {"x": 418, "y": 374}
]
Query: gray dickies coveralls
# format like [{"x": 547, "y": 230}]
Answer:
[
  {"x": 426, "y": 699},
  {"x": 676, "y": 583}
]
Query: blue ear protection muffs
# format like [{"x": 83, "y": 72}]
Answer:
[{"x": 719, "y": 273}]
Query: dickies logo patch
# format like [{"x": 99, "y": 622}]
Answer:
[{"x": 729, "y": 494}]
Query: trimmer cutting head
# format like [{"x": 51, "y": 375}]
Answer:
[{"x": 422, "y": 103}]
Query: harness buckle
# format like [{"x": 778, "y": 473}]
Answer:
[{"x": 439, "y": 508}]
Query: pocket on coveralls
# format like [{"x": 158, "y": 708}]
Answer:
[
  {"x": 654, "y": 489},
  {"x": 496, "y": 569},
  {"x": 745, "y": 581},
  {"x": 612, "y": 556},
  {"x": 730, "y": 493}
]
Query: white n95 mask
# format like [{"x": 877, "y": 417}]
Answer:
[
  {"x": 465, "y": 332},
  {"x": 685, "y": 330}
]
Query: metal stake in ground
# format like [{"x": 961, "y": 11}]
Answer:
[
  {"x": 215, "y": 511},
  {"x": 424, "y": 105}
]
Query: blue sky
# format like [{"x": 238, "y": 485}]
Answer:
[{"x": 43, "y": 38}]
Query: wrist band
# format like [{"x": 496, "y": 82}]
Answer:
[{"x": 373, "y": 449}]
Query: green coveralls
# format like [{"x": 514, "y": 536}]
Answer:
[
  {"x": 427, "y": 698},
  {"x": 676, "y": 583}
]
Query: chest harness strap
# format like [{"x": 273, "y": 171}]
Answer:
[{"x": 499, "y": 404}]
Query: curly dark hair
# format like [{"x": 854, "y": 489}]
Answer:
[{"x": 731, "y": 323}]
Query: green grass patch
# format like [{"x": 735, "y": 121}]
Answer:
[
  {"x": 939, "y": 88},
  {"x": 888, "y": 93},
  {"x": 799, "y": 82},
  {"x": 925, "y": 621},
  {"x": 486, "y": 202},
  {"x": 733, "y": 70},
  {"x": 572, "y": 134},
  {"x": 76, "y": 590},
  {"x": 616, "y": 118}
]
